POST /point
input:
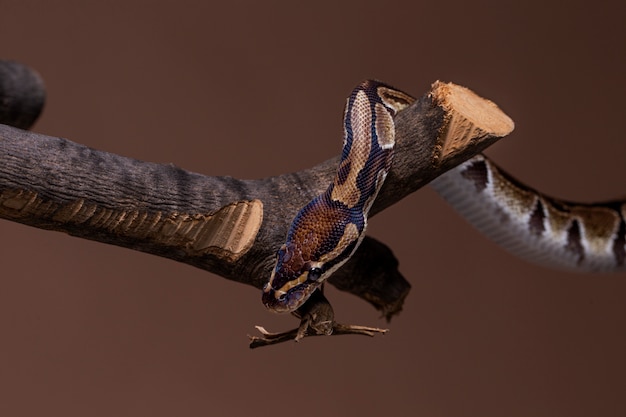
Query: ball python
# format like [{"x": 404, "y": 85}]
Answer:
[{"x": 327, "y": 231}]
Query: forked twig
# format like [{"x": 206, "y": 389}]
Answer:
[
  {"x": 296, "y": 334},
  {"x": 317, "y": 319}
]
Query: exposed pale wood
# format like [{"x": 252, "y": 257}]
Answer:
[
  {"x": 470, "y": 118},
  {"x": 228, "y": 233}
]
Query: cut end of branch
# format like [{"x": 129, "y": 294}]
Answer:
[{"x": 470, "y": 119}]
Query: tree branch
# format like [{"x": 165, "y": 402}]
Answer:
[
  {"x": 22, "y": 95},
  {"x": 224, "y": 225}
]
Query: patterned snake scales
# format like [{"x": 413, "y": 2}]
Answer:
[{"x": 328, "y": 230}]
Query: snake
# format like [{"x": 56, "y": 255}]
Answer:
[{"x": 326, "y": 232}]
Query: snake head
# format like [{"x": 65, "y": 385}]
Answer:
[
  {"x": 293, "y": 280},
  {"x": 322, "y": 237}
]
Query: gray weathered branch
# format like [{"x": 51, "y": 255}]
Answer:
[{"x": 224, "y": 225}]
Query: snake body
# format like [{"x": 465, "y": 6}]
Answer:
[
  {"x": 327, "y": 231},
  {"x": 531, "y": 225}
]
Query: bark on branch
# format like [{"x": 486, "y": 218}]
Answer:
[{"x": 224, "y": 225}]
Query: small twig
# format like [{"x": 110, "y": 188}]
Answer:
[
  {"x": 317, "y": 319},
  {"x": 337, "y": 329}
]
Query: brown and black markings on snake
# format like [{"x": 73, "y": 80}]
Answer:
[
  {"x": 478, "y": 174},
  {"x": 542, "y": 229},
  {"x": 536, "y": 224}
]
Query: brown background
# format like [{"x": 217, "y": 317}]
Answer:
[{"x": 253, "y": 89}]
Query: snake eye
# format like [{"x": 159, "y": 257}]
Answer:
[{"x": 315, "y": 273}]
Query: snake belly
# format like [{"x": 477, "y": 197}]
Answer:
[{"x": 327, "y": 231}]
